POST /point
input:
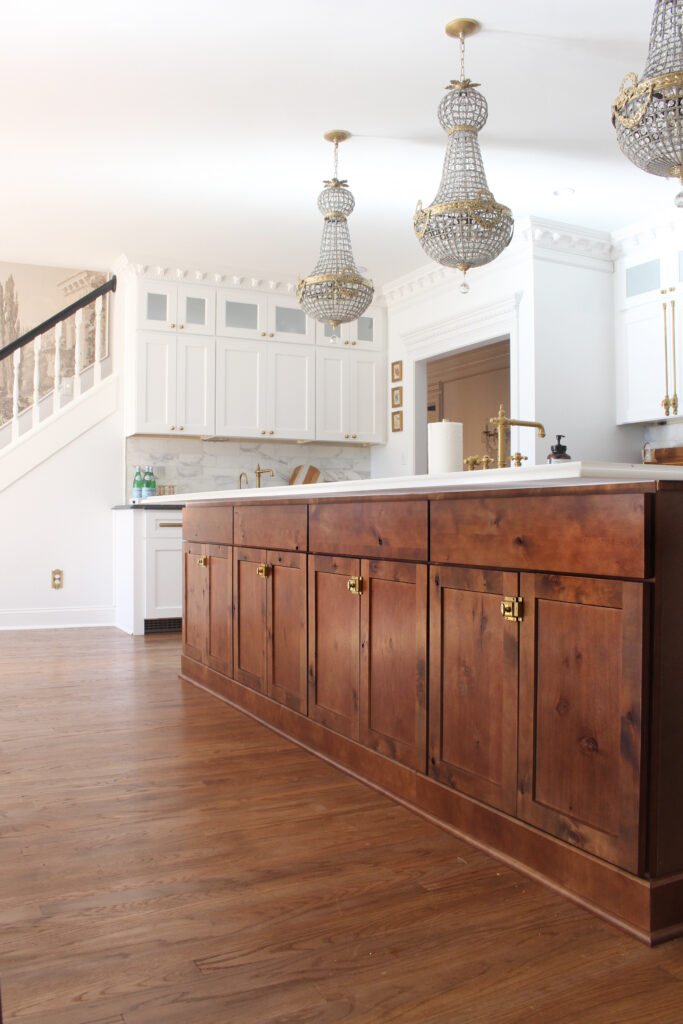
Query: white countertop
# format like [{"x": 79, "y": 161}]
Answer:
[{"x": 555, "y": 474}]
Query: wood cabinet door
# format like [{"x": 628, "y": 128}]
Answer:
[
  {"x": 473, "y": 684},
  {"x": 580, "y": 715},
  {"x": 287, "y": 634},
  {"x": 218, "y": 640},
  {"x": 393, "y": 661},
  {"x": 195, "y": 589},
  {"x": 333, "y": 643},
  {"x": 249, "y": 621}
]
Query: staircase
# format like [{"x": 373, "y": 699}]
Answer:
[{"x": 56, "y": 382}]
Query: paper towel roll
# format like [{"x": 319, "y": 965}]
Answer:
[{"x": 444, "y": 447}]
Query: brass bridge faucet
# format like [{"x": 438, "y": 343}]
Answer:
[
  {"x": 261, "y": 472},
  {"x": 502, "y": 422}
]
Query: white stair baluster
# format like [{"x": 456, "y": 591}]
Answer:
[
  {"x": 57, "y": 394},
  {"x": 99, "y": 339},
  {"x": 78, "y": 347},
  {"x": 15, "y": 395},
  {"x": 37, "y": 345}
]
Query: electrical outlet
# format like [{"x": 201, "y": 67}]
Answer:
[{"x": 57, "y": 579}]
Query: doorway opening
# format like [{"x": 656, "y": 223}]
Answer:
[{"x": 469, "y": 387}]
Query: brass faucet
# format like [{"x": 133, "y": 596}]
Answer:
[
  {"x": 261, "y": 472},
  {"x": 246, "y": 480},
  {"x": 502, "y": 422}
]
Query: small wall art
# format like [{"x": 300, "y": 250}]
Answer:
[
  {"x": 397, "y": 421},
  {"x": 397, "y": 371},
  {"x": 396, "y": 397}
]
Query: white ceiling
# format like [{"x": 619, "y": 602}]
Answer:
[{"x": 191, "y": 133}]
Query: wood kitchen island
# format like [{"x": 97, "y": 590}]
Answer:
[{"x": 502, "y": 654}]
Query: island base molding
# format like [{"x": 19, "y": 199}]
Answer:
[{"x": 651, "y": 910}]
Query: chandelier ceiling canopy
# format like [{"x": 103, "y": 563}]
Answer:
[
  {"x": 335, "y": 291},
  {"x": 648, "y": 112},
  {"x": 464, "y": 226}
]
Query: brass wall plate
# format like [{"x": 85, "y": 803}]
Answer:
[
  {"x": 462, "y": 27},
  {"x": 57, "y": 579}
]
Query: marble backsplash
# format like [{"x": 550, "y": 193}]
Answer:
[{"x": 190, "y": 464}]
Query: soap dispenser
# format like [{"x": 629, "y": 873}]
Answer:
[{"x": 558, "y": 452}]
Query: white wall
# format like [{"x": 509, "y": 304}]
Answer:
[{"x": 58, "y": 516}]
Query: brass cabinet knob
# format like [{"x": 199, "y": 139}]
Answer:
[
  {"x": 271, "y": 335},
  {"x": 271, "y": 431},
  {"x": 172, "y": 428},
  {"x": 353, "y": 342},
  {"x": 346, "y": 342},
  {"x": 204, "y": 560},
  {"x": 346, "y": 436},
  {"x": 263, "y": 334},
  {"x": 263, "y": 570},
  {"x": 181, "y": 327},
  {"x": 172, "y": 325},
  {"x": 181, "y": 428},
  {"x": 355, "y": 585},
  {"x": 263, "y": 431},
  {"x": 354, "y": 435}
]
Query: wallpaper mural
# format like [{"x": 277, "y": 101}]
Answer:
[{"x": 29, "y": 295}]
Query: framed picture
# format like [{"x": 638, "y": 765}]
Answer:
[
  {"x": 397, "y": 421},
  {"x": 397, "y": 371},
  {"x": 397, "y": 397}
]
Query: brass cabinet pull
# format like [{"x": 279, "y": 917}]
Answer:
[
  {"x": 263, "y": 570},
  {"x": 177, "y": 525},
  {"x": 666, "y": 401},
  {"x": 355, "y": 585},
  {"x": 674, "y": 397},
  {"x": 204, "y": 560},
  {"x": 512, "y": 609}
]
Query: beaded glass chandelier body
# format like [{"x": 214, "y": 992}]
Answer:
[
  {"x": 648, "y": 112},
  {"x": 335, "y": 291},
  {"x": 464, "y": 226}
]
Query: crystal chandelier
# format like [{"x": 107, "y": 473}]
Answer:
[
  {"x": 648, "y": 113},
  {"x": 335, "y": 291},
  {"x": 464, "y": 226}
]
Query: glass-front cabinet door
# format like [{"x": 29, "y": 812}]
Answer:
[
  {"x": 241, "y": 314},
  {"x": 288, "y": 322},
  {"x": 172, "y": 307},
  {"x": 367, "y": 332}
]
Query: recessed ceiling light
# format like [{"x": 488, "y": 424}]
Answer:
[{"x": 563, "y": 193}]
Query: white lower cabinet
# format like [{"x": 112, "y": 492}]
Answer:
[
  {"x": 175, "y": 392},
  {"x": 350, "y": 396},
  {"x": 148, "y": 568},
  {"x": 265, "y": 389},
  {"x": 648, "y": 361}
]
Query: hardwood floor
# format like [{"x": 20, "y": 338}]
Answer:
[{"x": 167, "y": 860}]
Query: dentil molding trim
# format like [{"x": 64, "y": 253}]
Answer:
[{"x": 224, "y": 279}]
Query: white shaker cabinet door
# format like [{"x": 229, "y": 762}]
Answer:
[
  {"x": 196, "y": 391},
  {"x": 163, "y": 578},
  {"x": 367, "y": 390},
  {"x": 332, "y": 407},
  {"x": 642, "y": 363},
  {"x": 291, "y": 399},
  {"x": 156, "y": 383},
  {"x": 241, "y": 388}
]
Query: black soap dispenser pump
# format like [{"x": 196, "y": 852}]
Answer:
[{"x": 558, "y": 452}]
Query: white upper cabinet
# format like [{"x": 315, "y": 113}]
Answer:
[
  {"x": 175, "y": 392},
  {"x": 244, "y": 314},
  {"x": 648, "y": 298},
  {"x": 176, "y": 307},
  {"x": 265, "y": 389},
  {"x": 367, "y": 332},
  {"x": 350, "y": 396}
]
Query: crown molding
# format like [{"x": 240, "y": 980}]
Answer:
[
  {"x": 222, "y": 278},
  {"x": 655, "y": 232}
]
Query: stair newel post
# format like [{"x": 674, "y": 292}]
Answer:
[
  {"x": 15, "y": 395},
  {"x": 37, "y": 345},
  {"x": 57, "y": 400},
  {"x": 99, "y": 346},
  {"x": 78, "y": 350}
]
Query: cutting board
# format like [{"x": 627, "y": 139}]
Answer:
[{"x": 305, "y": 475}]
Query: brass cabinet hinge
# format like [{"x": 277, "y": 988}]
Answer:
[
  {"x": 263, "y": 570},
  {"x": 512, "y": 608},
  {"x": 355, "y": 585}
]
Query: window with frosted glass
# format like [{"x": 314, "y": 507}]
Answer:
[
  {"x": 642, "y": 278},
  {"x": 195, "y": 311},
  {"x": 241, "y": 314},
  {"x": 289, "y": 321},
  {"x": 156, "y": 306}
]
